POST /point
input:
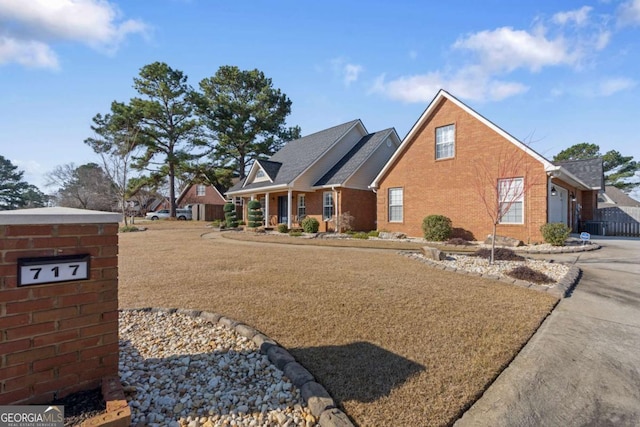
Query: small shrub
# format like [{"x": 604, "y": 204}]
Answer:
[
  {"x": 457, "y": 241},
  {"x": 128, "y": 229},
  {"x": 530, "y": 275},
  {"x": 374, "y": 233},
  {"x": 360, "y": 235},
  {"x": 555, "y": 233},
  {"x": 295, "y": 233},
  {"x": 215, "y": 223},
  {"x": 500, "y": 254},
  {"x": 282, "y": 228},
  {"x": 436, "y": 228},
  {"x": 230, "y": 215},
  {"x": 310, "y": 225},
  {"x": 349, "y": 232}
]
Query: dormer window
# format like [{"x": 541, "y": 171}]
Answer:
[{"x": 260, "y": 174}]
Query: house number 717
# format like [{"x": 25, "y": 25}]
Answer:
[{"x": 36, "y": 271}]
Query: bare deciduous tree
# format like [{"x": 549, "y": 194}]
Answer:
[{"x": 501, "y": 185}]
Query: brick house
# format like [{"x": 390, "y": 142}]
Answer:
[
  {"x": 452, "y": 155},
  {"x": 200, "y": 194},
  {"x": 321, "y": 175}
]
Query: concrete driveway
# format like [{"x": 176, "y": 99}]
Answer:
[{"x": 582, "y": 367}]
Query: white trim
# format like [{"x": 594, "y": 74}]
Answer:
[
  {"x": 441, "y": 96},
  {"x": 255, "y": 190}
]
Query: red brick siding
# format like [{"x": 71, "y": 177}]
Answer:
[
  {"x": 360, "y": 204},
  {"x": 50, "y": 333},
  {"x": 448, "y": 186}
]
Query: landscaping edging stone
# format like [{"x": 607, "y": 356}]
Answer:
[
  {"x": 320, "y": 403},
  {"x": 561, "y": 289}
]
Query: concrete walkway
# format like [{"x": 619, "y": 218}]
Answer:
[{"x": 582, "y": 367}]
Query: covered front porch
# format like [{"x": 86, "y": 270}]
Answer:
[{"x": 290, "y": 207}]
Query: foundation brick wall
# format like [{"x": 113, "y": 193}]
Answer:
[
  {"x": 448, "y": 186},
  {"x": 58, "y": 338}
]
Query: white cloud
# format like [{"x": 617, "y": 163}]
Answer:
[
  {"x": 610, "y": 86},
  {"x": 351, "y": 73},
  {"x": 629, "y": 13},
  {"x": 348, "y": 72},
  {"x": 35, "y": 24},
  {"x": 508, "y": 49},
  {"x": 468, "y": 83},
  {"x": 567, "y": 39},
  {"x": 578, "y": 16},
  {"x": 27, "y": 53}
]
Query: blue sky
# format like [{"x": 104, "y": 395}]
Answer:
[{"x": 552, "y": 74}]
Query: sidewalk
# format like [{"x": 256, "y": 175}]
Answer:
[{"x": 582, "y": 367}]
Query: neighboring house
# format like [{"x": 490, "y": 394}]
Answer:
[
  {"x": 452, "y": 154},
  {"x": 322, "y": 175},
  {"x": 200, "y": 194},
  {"x": 614, "y": 197}
]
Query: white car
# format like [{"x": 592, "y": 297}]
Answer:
[{"x": 181, "y": 214}]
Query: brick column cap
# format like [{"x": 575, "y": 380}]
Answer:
[{"x": 57, "y": 215}]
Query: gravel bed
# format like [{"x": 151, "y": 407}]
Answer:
[
  {"x": 179, "y": 370},
  {"x": 480, "y": 265}
]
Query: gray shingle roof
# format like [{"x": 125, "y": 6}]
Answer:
[
  {"x": 296, "y": 156},
  {"x": 342, "y": 170},
  {"x": 588, "y": 171},
  {"x": 617, "y": 196},
  {"x": 270, "y": 168}
]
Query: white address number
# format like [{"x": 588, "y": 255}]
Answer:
[{"x": 50, "y": 270}]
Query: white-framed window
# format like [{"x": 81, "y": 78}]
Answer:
[
  {"x": 395, "y": 204},
  {"x": 201, "y": 190},
  {"x": 445, "y": 141},
  {"x": 511, "y": 198},
  {"x": 302, "y": 207},
  {"x": 327, "y": 205},
  {"x": 260, "y": 173}
]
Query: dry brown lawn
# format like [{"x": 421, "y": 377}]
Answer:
[{"x": 395, "y": 342}]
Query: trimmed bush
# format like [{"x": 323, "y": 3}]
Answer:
[
  {"x": 255, "y": 216},
  {"x": 500, "y": 254},
  {"x": 360, "y": 235},
  {"x": 295, "y": 233},
  {"x": 555, "y": 233},
  {"x": 282, "y": 228},
  {"x": 530, "y": 275},
  {"x": 374, "y": 233},
  {"x": 310, "y": 225},
  {"x": 230, "y": 215},
  {"x": 128, "y": 229},
  {"x": 436, "y": 228}
]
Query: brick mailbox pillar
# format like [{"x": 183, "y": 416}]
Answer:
[{"x": 58, "y": 302}]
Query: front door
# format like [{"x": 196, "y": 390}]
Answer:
[
  {"x": 283, "y": 210},
  {"x": 558, "y": 205}
]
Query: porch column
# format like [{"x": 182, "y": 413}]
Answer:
[
  {"x": 289, "y": 202},
  {"x": 266, "y": 209}
]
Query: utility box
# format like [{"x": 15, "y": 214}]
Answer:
[{"x": 58, "y": 302}]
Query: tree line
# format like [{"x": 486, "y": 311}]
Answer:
[{"x": 171, "y": 134}]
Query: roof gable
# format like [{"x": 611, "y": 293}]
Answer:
[
  {"x": 440, "y": 97},
  {"x": 354, "y": 159},
  {"x": 297, "y": 156}
]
